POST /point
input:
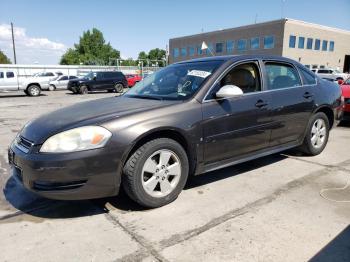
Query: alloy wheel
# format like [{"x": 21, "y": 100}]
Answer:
[
  {"x": 161, "y": 173},
  {"x": 318, "y": 133}
]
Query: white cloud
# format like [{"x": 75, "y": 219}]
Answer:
[{"x": 30, "y": 49}]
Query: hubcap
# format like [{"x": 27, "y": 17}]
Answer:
[
  {"x": 318, "y": 133},
  {"x": 35, "y": 91},
  {"x": 161, "y": 173}
]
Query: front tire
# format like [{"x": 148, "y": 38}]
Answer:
[
  {"x": 83, "y": 90},
  {"x": 33, "y": 90},
  {"x": 52, "y": 88},
  {"x": 317, "y": 135},
  {"x": 156, "y": 172}
]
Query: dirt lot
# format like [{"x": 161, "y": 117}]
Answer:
[{"x": 270, "y": 209}]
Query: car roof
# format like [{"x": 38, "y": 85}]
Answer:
[{"x": 235, "y": 58}]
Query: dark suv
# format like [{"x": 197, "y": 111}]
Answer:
[{"x": 95, "y": 81}]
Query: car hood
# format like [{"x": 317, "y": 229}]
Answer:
[
  {"x": 86, "y": 113},
  {"x": 345, "y": 90}
]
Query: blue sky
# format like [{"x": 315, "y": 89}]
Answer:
[{"x": 44, "y": 29}]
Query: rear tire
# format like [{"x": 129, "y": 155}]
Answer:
[
  {"x": 52, "y": 88},
  {"x": 317, "y": 134},
  {"x": 33, "y": 90},
  {"x": 156, "y": 173},
  {"x": 83, "y": 90},
  {"x": 119, "y": 88}
]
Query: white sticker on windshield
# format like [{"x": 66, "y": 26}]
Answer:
[{"x": 199, "y": 73}]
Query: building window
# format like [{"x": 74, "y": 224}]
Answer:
[
  {"x": 183, "y": 51},
  {"x": 269, "y": 42},
  {"x": 219, "y": 47},
  {"x": 242, "y": 45},
  {"x": 199, "y": 50},
  {"x": 191, "y": 50},
  {"x": 317, "y": 44},
  {"x": 210, "y": 50},
  {"x": 301, "y": 42},
  {"x": 229, "y": 46},
  {"x": 176, "y": 52},
  {"x": 309, "y": 43},
  {"x": 331, "y": 46},
  {"x": 254, "y": 43},
  {"x": 292, "y": 40},
  {"x": 324, "y": 45}
]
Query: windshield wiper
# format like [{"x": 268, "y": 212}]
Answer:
[{"x": 146, "y": 97}]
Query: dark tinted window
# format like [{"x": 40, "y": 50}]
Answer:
[
  {"x": 292, "y": 40},
  {"x": 317, "y": 44},
  {"x": 309, "y": 43},
  {"x": 1, "y": 74},
  {"x": 323, "y": 71},
  {"x": 281, "y": 75},
  {"x": 64, "y": 78},
  {"x": 301, "y": 42},
  {"x": 308, "y": 77},
  {"x": 72, "y": 77},
  {"x": 49, "y": 74},
  {"x": 219, "y": 47},
  {"x": 10, "y": 75}
]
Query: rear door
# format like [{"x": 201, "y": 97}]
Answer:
[
  {"x": 235, "y": 127},
  {"x": 62, "y": 82},
  {"x": 292, "y": 102}
]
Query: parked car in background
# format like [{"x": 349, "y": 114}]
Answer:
[
  {"x": 32, "y": 86},
  {"x": 133, "y": 79},
  {"x": 346, "y": 94},
  {"x": 189, "y": 118},
  {"x": 60, "y": 82},
  {"x": 97, "y": 81},
  {"x": 330, "y": 73}
]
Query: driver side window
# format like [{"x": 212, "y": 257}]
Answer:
[{"x": 245, "y": 76}]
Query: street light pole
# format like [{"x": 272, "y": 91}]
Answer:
[{"x": 13, "y": 45}]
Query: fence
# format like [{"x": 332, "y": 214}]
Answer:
[{"x": 76, "y": 70}]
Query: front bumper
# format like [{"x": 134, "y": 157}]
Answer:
[{"x": 69, "y": 176}]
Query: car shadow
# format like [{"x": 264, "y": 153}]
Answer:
[
  {"x": 336, "y": 250},
  {"x": 18, "y": 95},
  {"x": 35, "y": 206},
  {"x": 29, "y": 203},
  {"x": 344, "y": 124}
]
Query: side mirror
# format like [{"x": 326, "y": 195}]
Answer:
[{"x": 228, "y": 91}]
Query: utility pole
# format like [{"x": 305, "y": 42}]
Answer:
[
  {"x": 13, "y": 45},
  {"x": 282, "y": 8}
]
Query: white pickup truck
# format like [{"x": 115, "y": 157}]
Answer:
[{"x": 32, "y": 86}]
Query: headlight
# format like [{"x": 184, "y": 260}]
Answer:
[{"x": 77, "y": 139}]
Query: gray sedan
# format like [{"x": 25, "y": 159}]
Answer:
[{"x": 61, "y": 82}]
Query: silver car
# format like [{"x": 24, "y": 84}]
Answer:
[{"x": 61, "y": 82}]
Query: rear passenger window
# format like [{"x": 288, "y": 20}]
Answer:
[
  {"x": 308, "y": 78},
  {"x": 10, "y": 75},
  {"x": 281, "y": 76},
  {"x": 1, "y": 74}
]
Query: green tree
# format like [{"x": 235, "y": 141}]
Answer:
[
  {"x": 153, "y": 54},
  {"x": 4, "y": 59},
  {"x": 92, "y": 49}
]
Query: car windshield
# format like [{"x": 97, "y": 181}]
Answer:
[
  {"x": 175, "y": 82},
  {"x": 90, "y": 75}
]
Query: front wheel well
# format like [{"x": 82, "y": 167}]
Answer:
[
  {"x": 171, "y": 134},
  {"x": 329, "y": 113},
  {"x": 33, "y": 84}
]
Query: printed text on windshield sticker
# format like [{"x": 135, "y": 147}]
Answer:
[{"x": 199, "y": 73}]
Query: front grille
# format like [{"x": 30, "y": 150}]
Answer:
[
  {"x": 56, "y": 186},
  {"x": 23, "y": 144}
]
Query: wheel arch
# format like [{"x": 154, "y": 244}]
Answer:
[
  {"x": 35, "y": 84},
  {"x": 327, "y": 110},
  {"x": 171, "y": 133}
]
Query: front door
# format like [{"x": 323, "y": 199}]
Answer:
[{"x": 235, "y": 127}]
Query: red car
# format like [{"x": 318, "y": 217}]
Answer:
[
  {"x": 133, "y": 79},
  {"x": 346, "y": 94}
]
